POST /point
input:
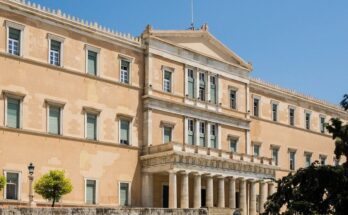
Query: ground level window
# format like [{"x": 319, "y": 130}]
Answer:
[
  {"x": 91, "y": 188},
  {"x": 124, "y": 194},
  {"x": 12, "y": 185}
]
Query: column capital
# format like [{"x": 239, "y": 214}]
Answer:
[
  {"x": 197, "y": 174},
  {"x": 172, "y": 171}
]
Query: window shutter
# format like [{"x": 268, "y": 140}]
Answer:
[
  {"x": 14, "y": 34},
  {"x": 92, "y": 62},
  {"x": 124, "y": 132},
  {"x": 55, "y": 45},
  {"x": 12, "y": 113},
  {"x": 54, "y": 120},
  {"x": 124, "y": 194},
  {"x": 90, "y": 192},
  {"x": 91, "y": 126},
  {"x": 167, "y": 134}
]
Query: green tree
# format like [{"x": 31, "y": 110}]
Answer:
[
  {"x": 53, "y": 186},
  {"x": 2, "y": 182},
  {"x": 317, "y": 189}
]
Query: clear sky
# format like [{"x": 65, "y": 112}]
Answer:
[{"x": 301, "y": 45}]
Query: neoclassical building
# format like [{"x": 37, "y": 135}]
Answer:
[{"x": 172, "y": 118}]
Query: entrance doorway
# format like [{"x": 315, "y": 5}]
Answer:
[
  {"x": 165, "y": 196},
  {"x": 203, "y": 196}
]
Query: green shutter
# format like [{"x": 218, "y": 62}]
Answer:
[
  {"x": 55, "y": 45},
  {"x": 14, "y": 34},
  {"x": 91, "y": 126},
  {"x": 124, "y": 132},
  {"x": 213, "y": 90},
  {"x": 54, "y": 120},
  {"x": 92, "y": 63},
  {"x": 13, "y": 106},
  {"x": 167, "y": 134},
  {"x": 124, "y": 194},
  {"x": 90, "y": 192}
]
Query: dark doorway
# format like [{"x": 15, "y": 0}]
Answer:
[
  {"x": 203, "y": 196},
  {"x": 237, "y": 199},
  {"x": 165, "y": 196}
]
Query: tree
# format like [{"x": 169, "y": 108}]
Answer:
[
  {"x": 53, "y": 186},
  {"x": 317, "y": 189},
  {"x": 2, "y": 182}
]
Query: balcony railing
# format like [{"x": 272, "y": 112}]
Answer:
[{"x": 178, "y": 147}]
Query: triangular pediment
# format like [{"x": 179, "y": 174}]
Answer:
[{"x": 202, "y": 42}]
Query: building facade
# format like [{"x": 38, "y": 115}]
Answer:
[{"x": 167, "y": 119}]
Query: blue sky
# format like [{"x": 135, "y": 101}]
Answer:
[{"x": 301, "y": 45}]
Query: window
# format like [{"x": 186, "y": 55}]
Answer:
[
  {"x": 91, "y": 190},
  {"x": 125, "y": 71},
  {"x": 13, "y": 113},
  {"x": 308, "y": 120},
  {"x": 336, "y": 161},
  {"x": 322, "y": 124},
  {"x": 213, "y": 89},
  {"x": 322, "y": 159},
  {"x": 12, "y": 185},
  {"x": 274, "y": 112},
  {"x": 201, "y": 87},
  {"x": 190, "y": 84},
  {"x": 190, "y": 132},
  {"x": 54, "y": 120},
  {"x": 14, "y": 41},
  {"x": 202, "y": 133},
  {"x": 256, "y": 106},
  {"x": 275, "y": 155},
  {"x": 233, "y": 99},
  {"x": 167, "y": 134},
  {"x": 292, "y": 116},
  {"x": 308, "y": 158},
  {"x": 124, "y": 132},
  {"x": 233, "y": 144},
  {"x": 55, "y": 52},
  {"x": 213, "y": 136},
  {"x": 292, "y": 159},
  {"x": 256, "y": 150},
  {"x": 91, "y": 126},
  {"x": 167, "y": 81},
  {"x": 92, "y": 62},
  {"x": 124, "y": 194}
]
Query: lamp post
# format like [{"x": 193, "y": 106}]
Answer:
[{"x": 31, "y": 168}]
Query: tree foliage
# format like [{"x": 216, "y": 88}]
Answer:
[
  {"x": 317, "y": 189},
  {"x": 2, "y": 182},
  {"x": 53, "y": 186}
]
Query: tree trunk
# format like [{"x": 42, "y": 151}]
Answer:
[{"x": 54, "y": 200}]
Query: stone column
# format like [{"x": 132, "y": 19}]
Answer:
[
  {"x": 147, "y": 191},
  {"x": 172, "y": 190},
  {"x": 184, "y": 198},
  {"x": 221, "y": 197},
  {"x": 252, "y": 207},
  {"x": 263, "y": 195},
  {"x": 242, "y": 196},
  {"x": 232, "y": 193},
  {"x": 209, "y": 194},
  {"x": 270, "y": 188},
  {"x": 197, "y": 191}
]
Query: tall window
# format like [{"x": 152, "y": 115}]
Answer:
[
  {"x": 201, "y": 86},
  {"x": 14, "y": 41},
  {"x": 308, "y": 159},
  {"x": 233, "y": 99},
  {"x": 12, "y": 185},
  {"x": 213, "y": 89},
  {"x": 308, "y": 120},
  {"x": 233, "y": 144},
  {"x": 92, "y": 62},
  {"x": 322, "y": 159},
  {"x": 292, "y": 159},
  {"x": 322, "y": 124},
  {"x": 91, "y": 190},
  {"x": 167, "y": 81},
  {"x": 167, "y": 134},
  {"x": 91, "y": 127},
  {"x": 124, "y": 194},
  {"x": 213, "y": 136},
  {"x": 124, "y": 132},
  {"x": 55, "y": 52},
  {"x": 190, "y": 132},
  {"x": 274, "y": 112},
  {"x": 292, "y": 116},
  {"x": 13, "y": 113},
  {"x": 256, "y": 106},
  {"x": 125, "y": 68},
  {"x": 275, "y": 152},
  {"x": 202, "y": 133},
  {"x": 54, "y": 120},
  {"x": 256, "y": 150},
  {"x": 190, "y": 83}
]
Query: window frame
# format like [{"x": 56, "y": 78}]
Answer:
[
  {"x": 9, "y": 24},
  {"x": 292, "y": 108},
  {"x": 193, "y": 131},
  {"x": 309, "y": 113},
  {"x": 97, "y": 51},
  {"x": 322, "y": 128},
  {"x": 277, "y": 149},
  {"x": 290, "y": 152},
  {"x": 170, "y": 71},
  {"x": 124, "y": 117},
  {"x": 216, "y": 127},
  {"x": 258, "y": 99},
  {"x": 51, "y": 37},
  {"x": 233, "y": 138},
  {"x": 17, "y": 96},
  {"x": 164, "y": 125},
  {"x": 235, "y": 103},
  {"x": 275, "y": 118},
  {"x": 96, "y": 190},
  {"x": 96, "y": 112},
  {"x": 188, "y": 69},
  {"x": 215, "y": 78},
  {"x": 51, "y": 103},
  {"x": 258, "y": 145},
  {"x": 129, "y": 199},
  {"x": 308, "y": 154},
  {"x": 321, "y": 158},
  {"x": 204, "y": 136},
  {"x": 199, "y": 98},
  {"x": 130, "y": 60},
  {"x": 19, "y": 190}
]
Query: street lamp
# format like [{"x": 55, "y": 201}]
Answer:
[{"x": 31, "y": 168}]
